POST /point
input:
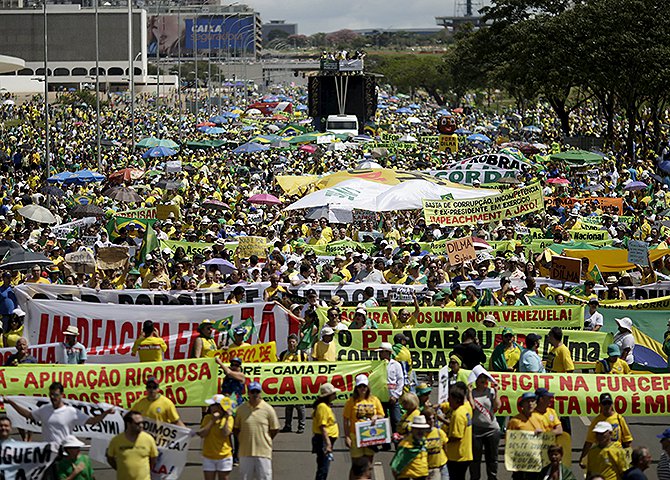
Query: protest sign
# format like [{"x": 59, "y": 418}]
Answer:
[
  {"x": 638, "y": 252},
  {"x": 369, "y": 434},
  {"x": 81, "y": 261},
  {"x": 578, "y": 394},
  {"x": 511, "y": 203},
  {"x": 448, "y": 142},
  {"x": 430, "y": 347},
  {"x": 527, "y": 451},
  {"x": 588, "y": 235},
  {"x": 108, "y": 331},
  {"x": 443, "y": 385},
  {"x": 186, "y": 382},
  {"x": 537, "y": 316},
  {"x": 298, "y": 383},
  {"x": 566, "y": 269},
  {"x": 600, "y": 202},
  {"x": 25, "y": 460},
  {"x": 401, "y": 294},
  {"x": 40, "y": 352},
  {"x": 191, "y": 248},
  {"x": 113, "y": 257},
  {"x": 64, "y": 229},
  {"x": 259, "y": 353},
  {"x": 159, "y": 212},
  {"x": 660, "y": 303},
  {"x": 339, "y": 247},
  {"x": 460, "y": 250},
  {"x": 249, "y": 246}
]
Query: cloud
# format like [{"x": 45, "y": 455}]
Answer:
[{"x": 332, "y": 15}]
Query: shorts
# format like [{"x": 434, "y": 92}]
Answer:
[{"x": 220, "y": 465}]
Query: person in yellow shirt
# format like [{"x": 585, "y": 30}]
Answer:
[
  {"x": 275, "y": 292},
  {"x": 204, "y": 346},
  {"x": 527, "y": 419},
  {"x": 325, "y": 349},
  {"x": 619, "y": 434},
  {"x": 157, "y": 406},
  {"x": 215, "y": 430},
  {"x": 459, "y": 447},
  {"x": 411, "y": 458},
  {"x": 149, "y": 346},
  {"x": 404, "y": 318},
  {"x": 133, "y": 453},
  {"x": 606, "y": 458},
  {"x": 362, "y": 406},
  {"x": 559, "y": 359},
  {"x": 15, "y": 329},
  {"x": 545, "y": 400},
  {"x": 436, "y": 446},
  {"x": 36, "y": 276},
  {"x": 613, "y": 364},
  {"x": 325, "y": 430},
  {"x": 410, "y": 404}
]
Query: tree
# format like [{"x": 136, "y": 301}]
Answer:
[
  {"x": 343, "y": 38},
  {"x": 409, "y": 71}
]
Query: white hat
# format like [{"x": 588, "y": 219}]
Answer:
[
  {"x": 19, "y": 312},
  {"x": 71, "y": 330},
  {"x": 419, "y": 423},
  {"x": 625, "y": 322},
  {"x": 328, "y": 389},
  {"x": 216, "y": 399},
  {"x": 73, "y": 442},
  {"x": 602, "y": 427},
  {"x": 477, "y": 371},
  {"x": 361, "y": 379},
  {"x": 490, "y": 319},
  {"x": 327, "y": 331},
  {"x": 386, "y": 347},
  {"x": 362, "y": 311}
]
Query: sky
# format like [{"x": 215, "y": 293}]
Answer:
[{"x": 330, "y": 15}]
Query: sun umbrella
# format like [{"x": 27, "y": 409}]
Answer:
[
  {"x": 578, "y": 158},
  {"x": 156, "y": 142},
  {"x": 404, "y": 110},
  {"x": 81, "y": 177},
  {"x": 532, "y": 129},
  {"x": 308, "y": 148},
  {"x": 264, "y": 199},
  {"x": 215, "y": 204},
  {"x": 123, "y": 194},
  {"x": 250, "y": 147},
  {"x": 462, "y": 131},
  {"x": 158, "y": 152},
  {"x": 633, "y": 186},
  {"x": 9, "y": 245},
  {"x": 413, "y": 120},
  {"x": 223, "y": 265},
  {"x": 37, "y": 214},
  {"x": 168, "y": 185},
  {"x": 559, "y": 181},
  {"x": 23, "y": 260},
  {"x": 88, "y": 210},
  {"x": 478, "y": 137},
  {"x": 213, "y": 130},
  {"x": 594, "y": 188},
  {"x": 59, "y": 177},
  {"x": 52, "y": 190},
  {"x": 206, "y": 124},
  {"x": 126, "y": 175}
]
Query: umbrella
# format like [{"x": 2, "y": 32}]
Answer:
[
  {"x": 532, "y": 129},
  {"x": 404, "y": 110},
  {"x": 578, "y": 158},
  {"x": 206, "y": 124},
  {"x": 337, "y": 147},
  {"x": 168, "y": 185},
  {"x": 264, "y": 199},
  {"x": 633, "y": 186},
  {"x": 88, "y": 210},
  {"x": 250, "y": 147},
  {"x": 308, "y": 148},
  {"x": 559, "y": 181},
  {"x": 156, "y": 142},
  {"x": 51, "y": 190},
  {"x": 478, "y": 137},
  {"x": 37, "y": 214},
  {"x": 408, "y": 138},
  {"x": 23, "y": 260},
  {"x": 215, "y": 204},
  {"x": 480, "y": 243},
  {"x": 159, "y": 151},
  {"x": 664, "y": 166},
  {"x": 9, "y": 246},
  {"x": 462, "y": 131},
  {"x": 82, "y": 177},
  {"x": 594, "y": 188},
  {"x": 224, "y": 266},
  {"x": 412, "y": 120},
  {"x": 368, "y": 164},
  {"x": 126, "y": 175},
  {"x": 59, "y": 177},
  {"x": 123, "y": 194},
  {"x": 213, "y": 130}
]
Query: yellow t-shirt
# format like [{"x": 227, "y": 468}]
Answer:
[
  {"x": 435, "y": 442},
  {"x": 12, "y": 336},
  {"x": 559, "y": 360},
  {"x": 324, "y": 417},
  {"x": 512, "y": 356},
  {"x": 132, "y": 459},
  {"x": 149, "y": 349},
  {"x": 528, "y": 424},
  {"x": 398, "y": 325},
  {"x": 403, "y": 425},
  {"x": 325, "y": 352},
  {"x": 361, "y": 410},
  {"x": 620, "y": 431},
  {"x": 459, "y": 448},
  {"x": 550, "y": 419},
  {"x": 162, "y": 409},
  {"x": 255, "y": 424},
  {"x": 418, "y": 467},
  {"x": 209, "y": 348},
  {"x": 609, "y": 462},
  {"x": 215, "y": 445},
  {"x": 619, "y": 367}
]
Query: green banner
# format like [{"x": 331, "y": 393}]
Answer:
[
  {"x": 431, "y": 347},
  {"x": 188, "y": 383},
  {"x": 294, "y": 383},
  {"x": 660, "y": 303},
  {"x": 192, "y": 248},
  {"x": 338, "y": 248},
  {"x": 544, "y": 316}
]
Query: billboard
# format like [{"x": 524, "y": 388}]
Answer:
[{"x": 230, "y": 35}]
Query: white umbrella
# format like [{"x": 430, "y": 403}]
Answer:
[
  {"x": 409, "y": 195},
  {"x": 337, "y": 147},
  {"x": 350, "y": 194},
  {"x": 333, "y": 213},
  {"x": 37, "y": 214},
  {"x": 9, "y": 101},
  {"x": 368, "y": 164},
  {"x": 413, "y": 120},
  {"x": 408, "y": 138}
]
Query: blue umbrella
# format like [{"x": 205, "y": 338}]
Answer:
[
  {"x": 381, "y": 106},
  {"x": 230, "y": 114},
  {"x": 214, "y": 130},
  {"x": 664, "y": 166},
  {"x": 250, "y": 147},
  {"x": 301, "y": 108},
  {"x": 404, "y": 110},
  {"x": 413, "y": 105},
  {"x": 59, "y": 177},
  {"x": 157, "y": 152},
  {"x": 462, "y": 131},
  {"x": 478, "y": 137},
  {"x": 444, "y": 111},
  {"x": 532, "y": 129},
  {"x": 632, "y": 186},
  {"x": 224, "y": 266},
  {"x": 218, "y": 119},
  {"x": 81, "y": 177}
]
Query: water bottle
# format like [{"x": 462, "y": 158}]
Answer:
[{"x": 330, "y": 457}]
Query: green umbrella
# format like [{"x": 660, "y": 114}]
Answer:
[
  {"x": 151, "y": 142},
  {"x": 578, "y": 158},
  {"x": 304, "y": 138}
]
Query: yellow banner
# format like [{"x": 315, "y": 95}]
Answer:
[
  {"x": 448, "y": 142},
  {"x": 249, "y": 246},
  {"x": 660, "y": 303},
  {"x": 511, "y": 203},
  {"x": 259, "y": 353},
  {"x": 612, "y": 260}
]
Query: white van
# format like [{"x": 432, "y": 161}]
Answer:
[{"x": 342, "y": 124}]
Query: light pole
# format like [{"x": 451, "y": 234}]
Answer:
[
  {"x": 47, "y": 151},
  {"x": 179, "y": 66},
  {"x": 131, "y": 76},
  {"x": 243, "y": 34},
  {"x": 97, "y": 87},
  {"x": 195, "y": 61}
]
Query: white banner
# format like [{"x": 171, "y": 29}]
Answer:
[
  {"x": 40, "y": 352},
  {"x": 61, "y": 231},
  {"x": 172, "y": 441},
  {"x": 483, "y": 168},
  {"x": 108, "y": 331},
  {"x": 25, "y": 460}
]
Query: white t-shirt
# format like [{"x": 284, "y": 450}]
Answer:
[
  {"x": 626, "y": 340},
  {"x": 58, "y": 424},
  {"x": 592, "y": 321}
]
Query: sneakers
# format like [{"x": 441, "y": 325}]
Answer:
[
  {"x": 300, "y": 430},
  {"x": 286, "y": 429},
  {"x": 236, "y": 462}
]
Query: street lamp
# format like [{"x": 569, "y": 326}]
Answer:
[
  {"x": 97, "y": 87},
  {"x": 131, "y": 76},
  {"x": 47, "y": 151}
]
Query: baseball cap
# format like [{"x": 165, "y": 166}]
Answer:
[
  {"x": 613, "y": 350},
  {"x": 528, "y": 396},
  {"x": 665, "y": 435},
  {"x": 386, "y": 347},
  {"x": 254, "y": 386},
  {"x": 606, "y": 398},
  {"x": 507, "y": 331},
  {"x": 152, "y": 381},
  {"x": 214, "y": 400},
  {"x": 327, "y": 331},
  {"x": 400, "y": 337},
  {"x": 543, "y": 392},
  {"x": 602, "y": 427},
  {"x": 361, "y": 379}
]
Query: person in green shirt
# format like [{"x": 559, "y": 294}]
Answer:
[{"x": 74, "y": 465}]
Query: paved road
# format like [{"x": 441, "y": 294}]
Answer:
[{"x": 293, "y": 460}]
